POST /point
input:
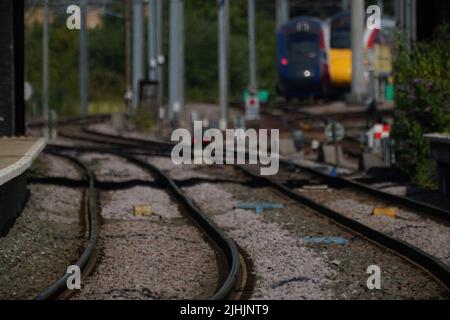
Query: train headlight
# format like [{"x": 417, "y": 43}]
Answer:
[{"x": 307, "y": 73}]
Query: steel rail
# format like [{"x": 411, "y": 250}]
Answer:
[
  {"x": 72, "y": 120},
  {"x": 225, "y": 243},
  {"x": 427, "y": 262},
  {"x": 59, "y": 285},
  {"x": 417, "y": 206}
]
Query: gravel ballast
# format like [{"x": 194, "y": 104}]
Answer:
[
  {"x": 45, "y": 239},
  {"x": 147, "y": 260},
  {"x": 321, "y": 271},
  {"x": 160, "y": 256},
  {"x": 284, "y": 267},
  {"x": 111, "y": 168},
  {"x": 344, "y": 266},
  {"x": 427, "y": 234}
]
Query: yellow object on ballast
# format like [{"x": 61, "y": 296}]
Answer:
[
  {"x": 388, "y": 212},
  {"x": 142, "y": 210}
]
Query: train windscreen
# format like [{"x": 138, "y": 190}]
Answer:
[
  {"x": 340, "y": 39},
  {"x": 303, "y": 47},
  {"x": 340, "y": 36}
]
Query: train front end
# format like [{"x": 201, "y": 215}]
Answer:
[{"x": 301, "y": 59}]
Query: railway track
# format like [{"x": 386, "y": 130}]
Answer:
[
  {"x": 234, "y": 276},
  {"x": 418, "y": 257},
  {"x": 436, "y": 267},
  {"x": 425, "y": 260},
  {"x": 86, "y": 260},
  {"x": 235, "y": 279},
  {"x": 339, "y": 182}
]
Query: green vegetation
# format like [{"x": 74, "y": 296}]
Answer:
[
  {"x": 106, "y": 56},
  {"x": 38, "y": 169},
  {"x": 423, "y": 102}
]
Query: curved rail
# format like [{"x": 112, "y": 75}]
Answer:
[
  {"x": 59, "y": 285},
  {"x": 433, "y": 265},
  {"x": 227, "y": 246},
  {"x": 225, "y": 243},
  {"x": 404, "y": 249},
  {"x": 417, "y": 206}
]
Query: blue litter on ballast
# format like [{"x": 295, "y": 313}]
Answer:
[
  {"x": 329, "y": 240},
  {"x": 258, "y": 206},
  {"x": 333, "y": 172}
]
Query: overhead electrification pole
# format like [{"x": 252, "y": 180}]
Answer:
[
  {"x": 410, "y": 21},
  {"x": 345, "y": 5},
  {"x": 223, "y": 6},
  {"x": 45, "y": 113},
  {"x": 406, "y": 19},
  {"x": 138, "y": 40},
  {"x": 161, "y": 60},
  {"x": 181, "y": 54},
  {"x": 176, "y": 58},
  {"x": 251, "y": 45},
  {"x": 84, "y": 77},
  {"x": 282, "y": 12},
  {"x": 357, "y": 27},
  {"x": 172, "y": 56},
  {"x": 152, "y": 41},
  {"x": 128, "y": 85}
]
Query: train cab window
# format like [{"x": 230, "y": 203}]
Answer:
[
  {"x": 303, "y": 46},
  {"x": 340, "y": 39}
]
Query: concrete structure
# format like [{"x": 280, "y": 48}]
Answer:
[
  {"x": 440, "y": 150},
  {"x": 16, "y": 156}
]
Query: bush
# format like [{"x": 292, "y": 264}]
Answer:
[{"x": 422, "y": 97}]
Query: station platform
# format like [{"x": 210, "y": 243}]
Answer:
[{"x": 16, "y": 156}]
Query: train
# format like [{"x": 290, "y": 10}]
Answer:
[
  {"x": 339, "y": 48},
  {"x": 302, "y": 61},
  {"x": 314, "y": 57}
]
